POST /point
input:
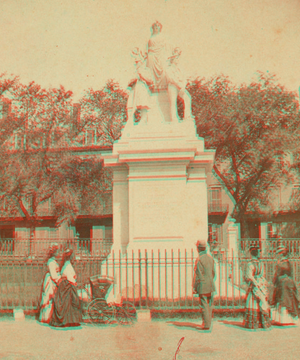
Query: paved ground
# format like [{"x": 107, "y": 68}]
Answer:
[{"x": 146, "y": 340}]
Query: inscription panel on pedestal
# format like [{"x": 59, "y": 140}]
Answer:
[{"x": 157, "y": 211}]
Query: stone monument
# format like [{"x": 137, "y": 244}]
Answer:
[{"x": 159, "y": 163}]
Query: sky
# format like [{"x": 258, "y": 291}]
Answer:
[{"x": 80, "y": 44}]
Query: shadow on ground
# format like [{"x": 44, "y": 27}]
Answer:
[
  {"x": 237, "y": 324},
  {"x": 188, "y": 325}
]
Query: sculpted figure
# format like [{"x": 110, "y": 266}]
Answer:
[
  {"x": 176, "y": 87},
  {"x": 156, "y": 55},
  {"x": 156, "y": 72},
  {"x": 139, "y": 97}
]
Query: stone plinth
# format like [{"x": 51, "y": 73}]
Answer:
[{"x": 159, "y": 183}]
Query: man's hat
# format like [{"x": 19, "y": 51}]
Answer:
[
  {"x": 201, "y": 244},
  {"x": 253, "y": 247}
]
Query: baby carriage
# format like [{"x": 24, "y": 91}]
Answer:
[{"x": 100, "y": 312}]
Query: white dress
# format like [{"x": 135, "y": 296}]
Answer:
[{"x": 49, "y": 288}]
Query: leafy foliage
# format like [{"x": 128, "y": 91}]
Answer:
[
  {"x": 105, "y": 109},
  {"x": 40, "y": 166},
  {"x": 253, "y": 128}
]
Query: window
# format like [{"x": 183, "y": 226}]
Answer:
[
  {"x": 83, "y": 236},
  {"x": 296, "y": 191},
  {"x": 215, "y": 235},
  {"x": 89, "y": 137},
  {"x": 275, "y": 197},
  {"x": 7, "y": 235},
  {"x": 215, "y": 201},
  {"x": 275, "y": 230}
]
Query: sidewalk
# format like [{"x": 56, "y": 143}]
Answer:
[{"x": 146, "y": 340}]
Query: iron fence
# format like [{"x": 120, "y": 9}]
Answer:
[
  {"x": 38, "y": 248},
  {"x": 157, "y": 280}
]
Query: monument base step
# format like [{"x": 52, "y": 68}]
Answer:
[{"x": 143, "y": 315}]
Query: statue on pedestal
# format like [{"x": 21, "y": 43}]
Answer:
[
  {"x": 157, "y": 71},
  {"x": 156, "y": 56}
]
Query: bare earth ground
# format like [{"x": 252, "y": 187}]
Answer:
[{"x": 147, "y": 340}]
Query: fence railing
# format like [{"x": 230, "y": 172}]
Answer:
[
  {"x": 218, "y": 208},
  {"x": 38, "y": 248},
  {"x": 155, "y": 280},
  {"x": 88, "y": 138},
  {"x": 268, "y": 247}
]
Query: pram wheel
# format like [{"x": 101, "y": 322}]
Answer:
[
  {"x": 130, "y": 309},
  {"x": 99, "y": 312},
  {"x": 122, "y": 317}
]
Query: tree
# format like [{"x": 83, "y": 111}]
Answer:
[
  {"x": 251, "y": 127},
  {"x": 44, "y": 167},
  {"x": 25, "y": 176},
  {"x": 8, "y": 86},
  {"x": 105, "y": 110}
]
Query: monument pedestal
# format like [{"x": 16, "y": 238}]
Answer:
[
  {"x": 159, "y": 189},
  {"x": 159, "y": 198}
]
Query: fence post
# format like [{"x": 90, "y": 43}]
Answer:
[
  {"x": 185, "y": 279},
  {"x": 172, "y": 277},
  {"x": 120, "y": 275},
  {"x": 179, "y": 279},
  {"x": 146, "y": 277},
  {"x": 233, "y": 235},
  {"x": 166, "y": 279},
  {"x": 192, "y": 255},
  {"x": 159, "y": 279},
  {"x": 140, "y": 279},
  {"x": 126, "y": 276},
  {"x": 133, "y": 282},
  {"x": 153, "y": 295}
]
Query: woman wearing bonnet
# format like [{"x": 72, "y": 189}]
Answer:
[
  {"x": 67, "y": 305},
  {"x": 257, "y": 311},
  {"x": 285, "y": 295},
  {"x": 50, "y": 284}
]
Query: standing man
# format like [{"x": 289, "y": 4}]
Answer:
[{"x": 203, "y": 282}]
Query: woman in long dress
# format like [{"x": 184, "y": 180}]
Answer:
[
  {"x": 67, "y": 305},
  {"x": 257, "y": 312},
  {"x": 50, "y": 284},
  {"x": 285, "y": 295}
]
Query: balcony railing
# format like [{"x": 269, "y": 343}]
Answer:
[
  {"x": 268, "y": 247},
  {"x": 38, "y": 248},
  {"x": 86, "y": 138},
  {"x": 218, "y": 208}
]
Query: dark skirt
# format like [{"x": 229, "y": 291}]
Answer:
[
  {"x": 286, "y": 295},
  {"x": 67, "y": 306}
]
